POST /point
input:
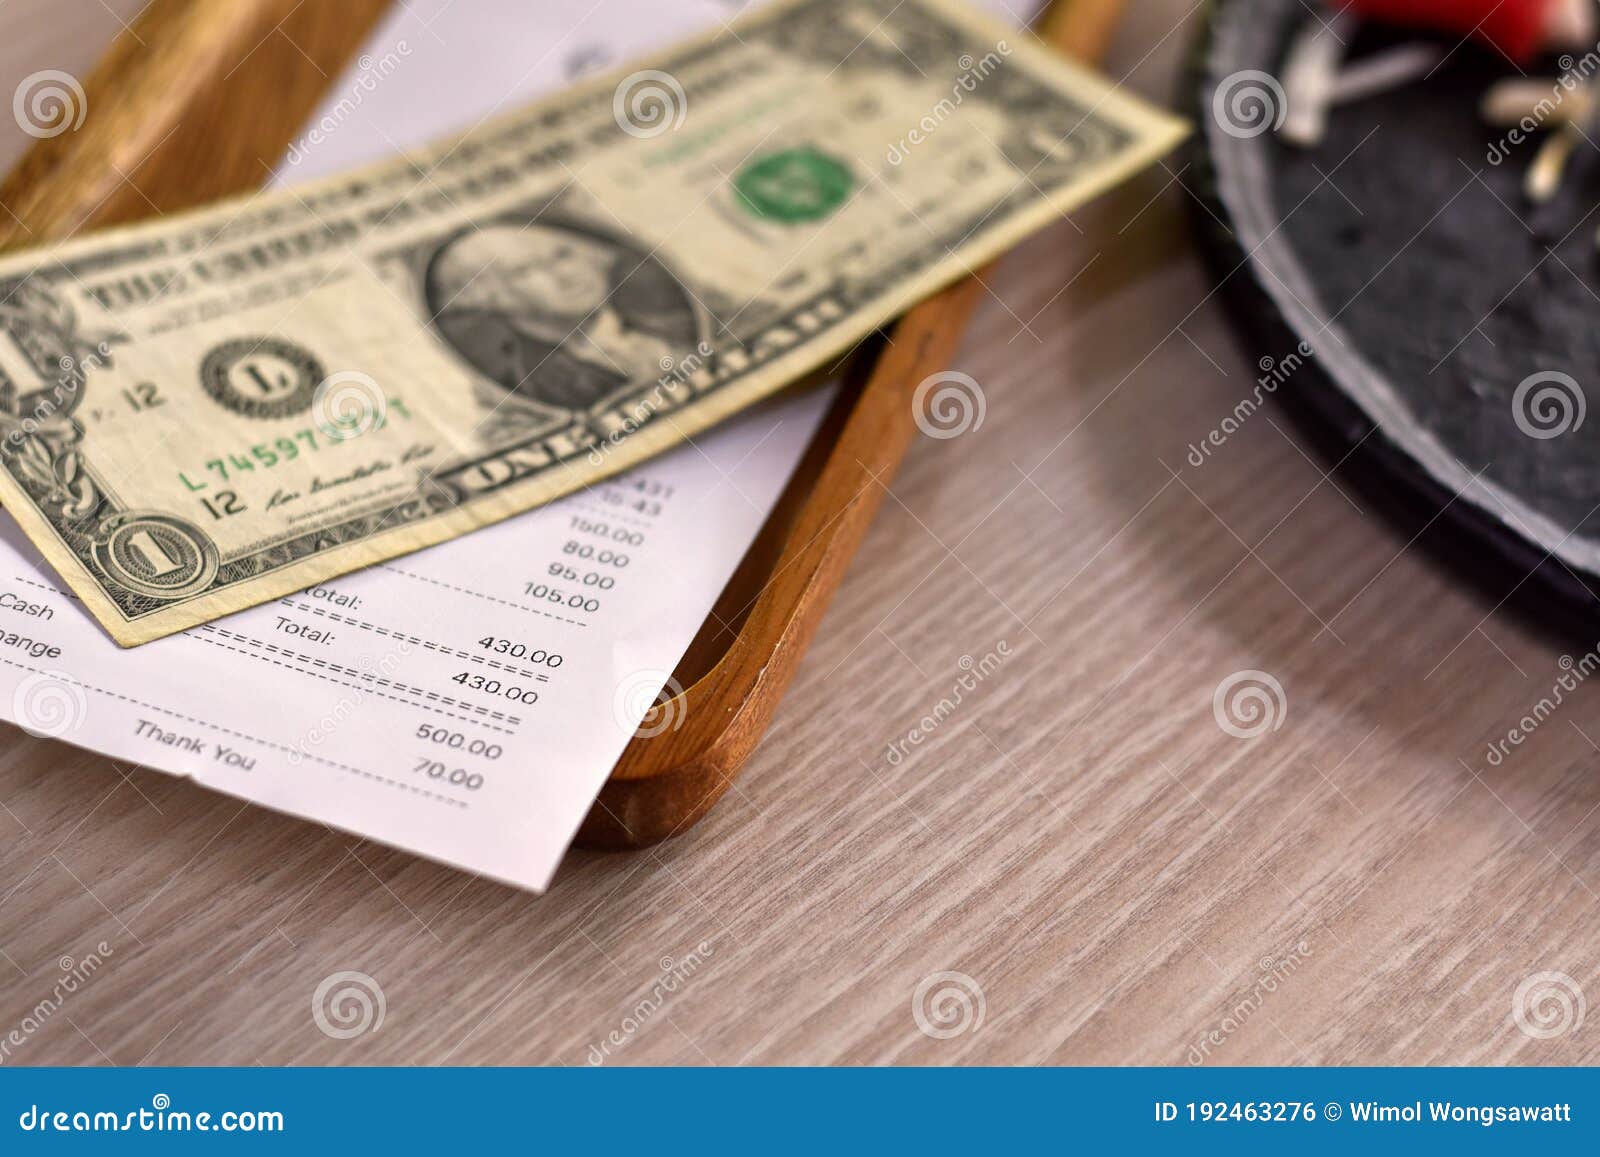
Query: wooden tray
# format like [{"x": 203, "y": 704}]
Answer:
[{"x": 199, "y": 101}]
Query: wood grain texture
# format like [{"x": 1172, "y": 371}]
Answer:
[
  {"x": 35, "y": 38},
  {"x": 180, "y": 106},
  {"x": 698, "y": 742},
  {"x": 1077, "y": 835},
  {"x": 166, "y": 131}
]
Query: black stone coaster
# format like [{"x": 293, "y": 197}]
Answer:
[{"x": 1453, "y": 328}]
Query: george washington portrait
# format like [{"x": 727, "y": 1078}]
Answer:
[{"x": 557, "y": 313}]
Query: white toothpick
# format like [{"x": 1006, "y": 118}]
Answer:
[
  {"x": 1550, "y": 162},
  {"x": 1383, "y": 71},
  {"x": 1317, "y": 79},
  {"x": 1510, "y": 102},
  {"x": 1309, "y": 74}
]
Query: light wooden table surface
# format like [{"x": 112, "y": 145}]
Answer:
[{"x": 1116, "y": 877}]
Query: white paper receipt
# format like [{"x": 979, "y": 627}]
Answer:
[{"x": 466, "y": 702}]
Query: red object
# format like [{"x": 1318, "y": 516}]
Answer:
[{"x": 1516, "y": 27}]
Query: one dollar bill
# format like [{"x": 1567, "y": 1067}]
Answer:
[{"x": 215, "y": 409}]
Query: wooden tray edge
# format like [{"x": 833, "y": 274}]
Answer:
[
  {"x": 669, "y": 780},
  {"x": 175, "y": 125}
]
